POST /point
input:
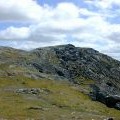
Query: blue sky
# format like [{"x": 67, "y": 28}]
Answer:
[
  {"x": 27, "y": 24},
  {"x": 55, "y": 2}
]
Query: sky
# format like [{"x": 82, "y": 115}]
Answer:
[{"x": 29, "y": 24}]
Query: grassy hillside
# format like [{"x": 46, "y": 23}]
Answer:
[
  {"x": 58, "y": 100},
  {"x": 38, "y": 85}
]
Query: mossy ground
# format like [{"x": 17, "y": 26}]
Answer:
[{"x": 64, "y": 102}]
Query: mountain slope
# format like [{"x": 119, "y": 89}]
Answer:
[
  {"x": 71, "y": 62},
  {"x": 96, "y": 74},
  {"x": 66, "y": 61},
  {"x": 23, "y": 98}
]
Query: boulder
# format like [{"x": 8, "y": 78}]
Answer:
[
  {"x": 34, "y": 91},
  {"x": 105, "y": 97},
  {"x": 113, "y": 101}
]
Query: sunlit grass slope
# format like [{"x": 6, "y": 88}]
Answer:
[{"x": 63, "y": 101}]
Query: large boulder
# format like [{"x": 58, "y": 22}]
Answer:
[
  {"x": 113, "y": 101},
  {"x": 105, "y": 97}
]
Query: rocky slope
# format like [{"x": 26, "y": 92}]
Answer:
[{"x": 67, "y": 62}]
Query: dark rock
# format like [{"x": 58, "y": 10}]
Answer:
[
  {"x": 38, "y": 108},
  {"x": 104, "y": 97},
  {"x": 113, "y": 101}
]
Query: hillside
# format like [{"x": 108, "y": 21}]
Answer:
[{"x": 58, "y": 82}]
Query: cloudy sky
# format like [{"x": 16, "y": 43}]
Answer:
[{"x": 27, "y": 24}]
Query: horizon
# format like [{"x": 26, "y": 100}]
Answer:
[
  {"x": 30, "y": 24},
  {"x": 56, "y": 46}
]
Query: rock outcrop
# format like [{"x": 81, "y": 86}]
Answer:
[{"x": 110, "y": 99}]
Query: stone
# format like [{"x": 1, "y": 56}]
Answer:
[
  {"x": 117, "y": 105},
  {"x": 110, "y": 118},
  {"x": 38, "y": 108},
  {"x": 34, "y": 91},
  {"x": 113, "y": 101}
]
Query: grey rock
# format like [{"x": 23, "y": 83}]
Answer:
[
  {"x": 110, "y": 118},
  {"x": 117, "y": 105},
  {"x": 34, "y": 91}
]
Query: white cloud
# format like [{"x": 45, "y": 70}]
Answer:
[
  {"x": 53, "y": 25},
  {"x": 22, "y": 10},
  {"x": 103, "y": 4},
  {"x": 66, "y": 11},
  {"x": 13, "y": 33},
  {"x": 27, "y": 45}
]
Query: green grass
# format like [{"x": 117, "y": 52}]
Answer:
[{"x": 64, "y": 102}]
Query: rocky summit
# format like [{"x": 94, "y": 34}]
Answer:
[
  {"x": 79, "y": 66},
  {"x": 75, "y": 64}
]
